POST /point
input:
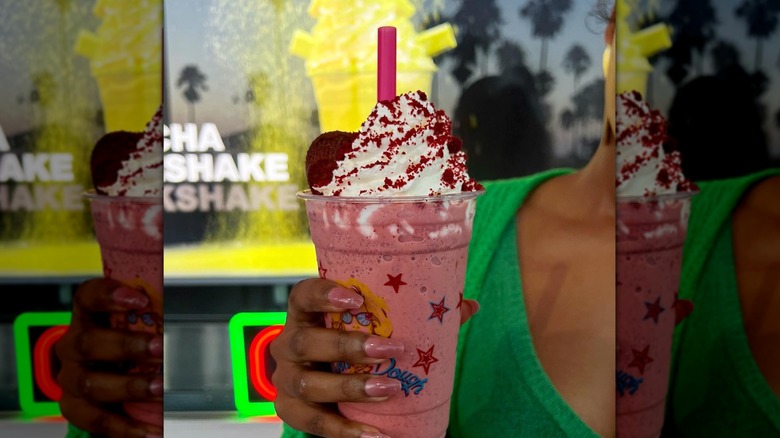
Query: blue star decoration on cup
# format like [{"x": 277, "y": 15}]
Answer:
[
  {"x": 654, "y": 310},
  {"x": 438, "y": 310}
]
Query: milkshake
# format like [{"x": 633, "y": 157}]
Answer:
[
  {"x": 653, "y": 201},
  {"x": 390, "y": 212},
  {"x": 127, "y": 215}
]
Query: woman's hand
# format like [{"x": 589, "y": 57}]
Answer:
[
  {"x": 91, "y": 393},
  {"x": 304, "y": 350}
]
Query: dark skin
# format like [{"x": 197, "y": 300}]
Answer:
[
  {"x": 566, "y": 248},
  {"x": 756, "y": 242},
  {"x": 306, "y": 393},
  {"x": 90, "y": 396}
]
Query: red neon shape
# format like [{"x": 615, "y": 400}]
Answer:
[
  {"x": 42, "y": 362},
  {"x": 257, "y": 361}
]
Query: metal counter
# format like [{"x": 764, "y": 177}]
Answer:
[{"x": 222, "y": 425}]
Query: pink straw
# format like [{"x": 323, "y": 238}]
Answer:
[{"x": 385, "y": 79}]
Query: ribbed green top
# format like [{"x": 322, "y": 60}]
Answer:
[
  {"x": 716, "y": 388},
  {"x": 74, "y": 432}
]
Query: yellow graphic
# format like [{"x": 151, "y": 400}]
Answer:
[
  {"x": 125, "y": 56},
  {"x": 372, "y": 317},
  {"x": 634, "y": 47},
  {"x": 341, "y": 55},
  {"x": 147, "y": 320}
]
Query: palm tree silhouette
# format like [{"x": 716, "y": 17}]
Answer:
[
  {"x": 545, "y": 82},
  {"x": 567, "y": 120},
  {"x": 509, "y": 55},
  {"x": 576, "y": 62},
  {"x": 761, "y": 17},
  {"x": 192, "y": 79},
  {"x": 547, "y": 19},
  {"x": 694, "y": 24},
  {"x": 478, "y": 24},
  {"x": 777, "y": 114},
  {"x": 588, "y": 111},
  {"x": 724, "y": 55}
]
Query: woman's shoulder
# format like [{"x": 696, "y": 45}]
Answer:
[
  {"x": 727, "y": 192},
  {"x": 506, "y": 193},
  {"x": 523, "y": 181}
]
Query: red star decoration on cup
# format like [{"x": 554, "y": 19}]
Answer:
[
  {"x": 425, "y": 359},
  {"x": 438, "y": 310},
  {"x": 641, "y": 359},
  {"x": 321, "y": 270},
  {"x": 653, "y": 310},
  {"x": 460, "y": 300},
  {"x": 395, "y": 281}
]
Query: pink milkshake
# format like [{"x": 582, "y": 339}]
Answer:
[
  {"x": 391, "y": 219},
  {"x": 127, "y": 213},
  {"x": 652, "y": 218}
]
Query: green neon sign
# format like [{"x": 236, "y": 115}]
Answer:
[
  {"x": 38, "y": 390},
  {"x": 250, "y": 334}
]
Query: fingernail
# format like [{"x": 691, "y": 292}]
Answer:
[
  {"x": 382, "y": 347},
  {"x": 382, "y": 386},
  {"x": 156, "y": 387},
  {"x": 156, "y": 346},
  {"x": 344, "y": 298},
  {"x": 130, "y": 298},
  {"x": 373, "y": 435}
]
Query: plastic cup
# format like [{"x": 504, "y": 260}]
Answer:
[
  {"x": 649, "y": 245},
  {"x": 129, "y": 233},
  {"x": 407, "y": 258}
]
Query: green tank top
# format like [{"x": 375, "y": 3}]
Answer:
[
  {"x": 74, "y": 432},
  {"x": 501, "y": 389},
  {"x": 716, "y": 388}
]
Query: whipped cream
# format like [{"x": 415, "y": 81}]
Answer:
[
  {"x": 404, "y": 148},
  {"x": 644, "y": 168},
  {"x": 141, "y": 172}
]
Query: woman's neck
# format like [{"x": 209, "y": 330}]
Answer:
[{"x": 595, "y": 183}]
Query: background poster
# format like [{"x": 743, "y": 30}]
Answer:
[
  {"x": 525, "y": 93},
  {"x": 71, "y": 70},
  {"x": 719, "y": 83}
]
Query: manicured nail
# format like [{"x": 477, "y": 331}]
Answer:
[
  {"x": 382, "y": 386},
  {"x": 373, "y": 435},
  {"x": 382, "y": 347},
  {"x": 344, "y": 298},
  {"x": 156, "y": 346},
  {"x": 130, "y": 298},
  {"x": 156, "y": 387}
]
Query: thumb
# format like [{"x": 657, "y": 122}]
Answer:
[{"x": 467, "y": 309}]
